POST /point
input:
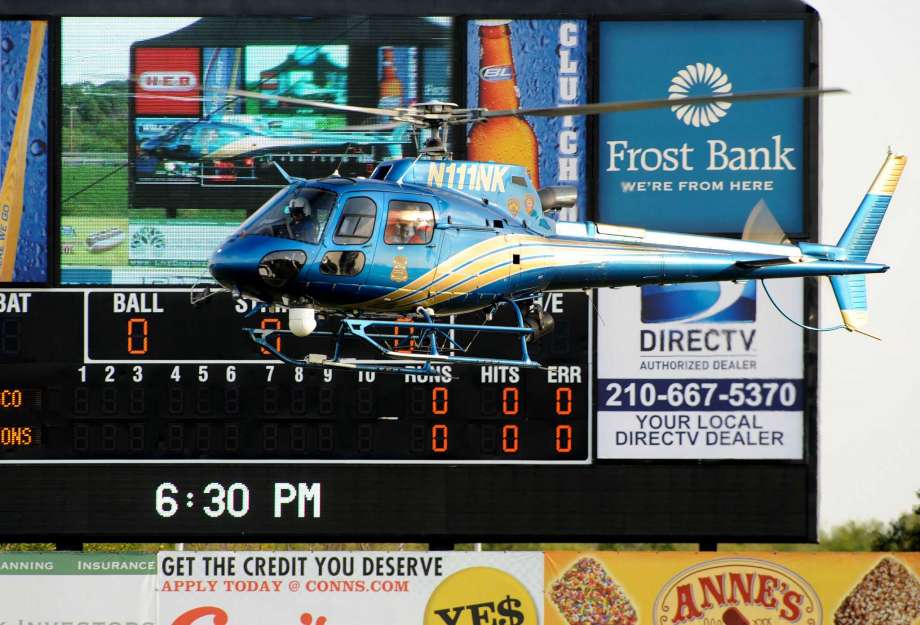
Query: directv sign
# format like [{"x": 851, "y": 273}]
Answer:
[
  {"x": 701, "y": 168},
  {"x": 705, "y": 371}
]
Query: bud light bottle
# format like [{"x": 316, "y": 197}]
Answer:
[
  {"x": 503, "y": 139},
  {"x": 391, "y": 89}
]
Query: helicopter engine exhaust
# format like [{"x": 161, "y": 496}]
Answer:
[
  {"x": 541, "y": 321},
  {"x": 301, "y": 321}
]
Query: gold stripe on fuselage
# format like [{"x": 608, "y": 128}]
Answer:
[
  {"x": 408, "y": 293},
  {"x": 492, "y": 266},
  {"x": 489, "y": 261}
]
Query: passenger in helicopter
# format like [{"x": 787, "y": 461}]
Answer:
[
  {"x": 407, "y": 224},
  {"x": 422, "y": 232}
]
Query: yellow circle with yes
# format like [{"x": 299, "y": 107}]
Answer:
[{"x": 480, "y": 595}]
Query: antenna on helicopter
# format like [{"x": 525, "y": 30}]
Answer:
[
  {"x": 287, "y": 177},
  {"x": 335, "y": 172}
]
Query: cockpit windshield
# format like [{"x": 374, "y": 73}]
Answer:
[{"x": 299, "y": 214}]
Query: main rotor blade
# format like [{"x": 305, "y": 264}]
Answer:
[
  {"x": 641, "y": 105},
  {"x": 312, "y": 103}
]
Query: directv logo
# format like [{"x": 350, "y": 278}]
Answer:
[{"x": 704, "y": 302}]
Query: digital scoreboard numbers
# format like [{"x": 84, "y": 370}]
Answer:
[{"x": 141, "y": 375}]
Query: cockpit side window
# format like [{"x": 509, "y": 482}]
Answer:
[
  {"x": 298, "y": 214},
  {"x": 276, "y": 202},
  {"x": 357, "y": 222},
  {"x": 409, "y": 223}
]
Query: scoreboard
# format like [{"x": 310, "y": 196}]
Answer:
[
  {"x": 131, "y": 414},
  {"x": 127, "y": 413},
  {"x": 142, "y": 375}
]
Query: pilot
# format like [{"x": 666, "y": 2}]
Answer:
[{"x": 302, "y": 224}]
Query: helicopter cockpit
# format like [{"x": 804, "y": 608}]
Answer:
[{"x": 299, "y": 214}]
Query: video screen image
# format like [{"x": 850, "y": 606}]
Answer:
[{"x": 162, "y": 155}]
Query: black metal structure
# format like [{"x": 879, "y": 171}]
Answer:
[{"x": 108, "y": 490}]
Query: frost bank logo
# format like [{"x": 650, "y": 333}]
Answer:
[
  {"x": 705, "y": 302},
  {"x": 695, "y": 80}
]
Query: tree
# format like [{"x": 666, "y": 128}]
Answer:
[
  {"x": 903, "y": 534},
  {"x": 852, "y": 536},
  {"x": 95, "y": 117}
]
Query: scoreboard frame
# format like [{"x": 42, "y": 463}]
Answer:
[{"x": 438, "y": 502}]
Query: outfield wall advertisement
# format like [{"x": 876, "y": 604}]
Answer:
[
  {"x": 701, "y": 168},
  {"x": 704, "y": 371},
  {"x": 350, "y": 588},
  {"x": 535, "y": 588},
  {"x": 685, "y": 588},
  {"x": 77, "y": 589},
  {"x": 461, "y": 588}
]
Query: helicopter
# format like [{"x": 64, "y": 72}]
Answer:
[{"x": 419, "y": 240}]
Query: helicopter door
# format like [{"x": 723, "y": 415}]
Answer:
[
  {"x": 348, "y": 257},
  {"x": 469, "y": 274},
  {"x": 407, "y": 252}
]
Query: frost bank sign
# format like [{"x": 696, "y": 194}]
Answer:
[{"x": 700, "y": 168}]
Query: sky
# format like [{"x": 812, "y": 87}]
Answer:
[
  {"x": 104, "y": 56},
  {"x": 869, "y": 391}
]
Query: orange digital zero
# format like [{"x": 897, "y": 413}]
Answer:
[
  {"x": 14, "y": 177},
  {"x": 747, "y": 589}
]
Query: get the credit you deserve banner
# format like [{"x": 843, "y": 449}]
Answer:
[{"x": 350, "y": 588}]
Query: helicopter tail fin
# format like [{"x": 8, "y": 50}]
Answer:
[
  {"x": 850, "y": 291},
  {"x": 857, "y": 240},
  {"x": 860, "y": 234}
]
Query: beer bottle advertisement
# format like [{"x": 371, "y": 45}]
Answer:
[
  {"x": 526, "y": 64},
  {"x": 394, "y": 92}
]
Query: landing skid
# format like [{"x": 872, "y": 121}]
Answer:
[{"x": 408, "y": 347}]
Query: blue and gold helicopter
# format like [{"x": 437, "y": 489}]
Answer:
[{"x": 398, "y": 253}]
